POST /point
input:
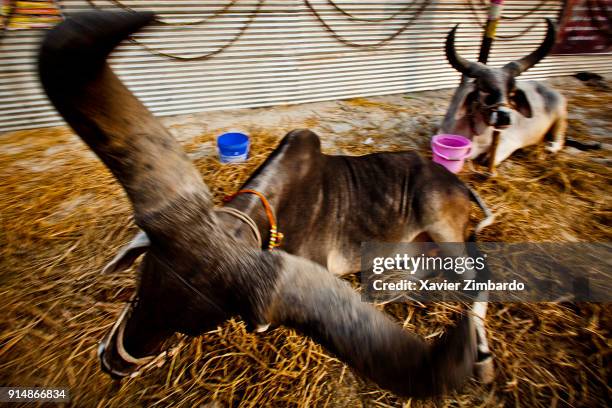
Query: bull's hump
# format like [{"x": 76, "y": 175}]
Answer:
[{"x": 303, "y": 141}]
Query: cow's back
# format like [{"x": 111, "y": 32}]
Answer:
[
  {"x": 392, "y": 188},
  {"x": 327, "y": 205},
  {"x": 545, "y": 101}
]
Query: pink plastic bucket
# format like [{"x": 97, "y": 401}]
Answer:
[{"x": 450, "y": 151}]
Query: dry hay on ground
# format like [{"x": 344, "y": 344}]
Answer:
[{"x": 63, "y": 216}]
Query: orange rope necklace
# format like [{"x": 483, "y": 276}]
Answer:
[{"x": 275, "y": 236}]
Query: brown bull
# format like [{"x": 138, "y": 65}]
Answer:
[{"x": 202, "y": 266}]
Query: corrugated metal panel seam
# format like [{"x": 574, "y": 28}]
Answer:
[{"x": 284, "y": 57}]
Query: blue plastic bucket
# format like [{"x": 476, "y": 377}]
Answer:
[{"x": 233, "y": 147}]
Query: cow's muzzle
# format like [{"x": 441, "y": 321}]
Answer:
[
  {"x": 114, "y": 358},
  {"x": 499, "y": 116}
]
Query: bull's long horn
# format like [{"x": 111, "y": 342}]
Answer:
[
  {"x": 522, "y": 65},
  {"x": 148, "y": 162},
  {"x": 312, "y": 300},
  {"x": 462, "y": 65}
]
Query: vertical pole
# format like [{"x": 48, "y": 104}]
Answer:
[
  {"x": 489, "y": 33},
  {"x": 490, "y": 29},
  {"x": 494, "y": 144},
  {"x": 483, "y": 56}
]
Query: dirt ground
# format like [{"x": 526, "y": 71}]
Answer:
[{"x": 62, "y": 217}]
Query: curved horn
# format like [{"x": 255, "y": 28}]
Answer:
[
  {"x": 145, "y": 158},
  {"x": 324, "y": 307},
  {"x": 522, "y": 65},
  {"x": 462, "y": 65}
]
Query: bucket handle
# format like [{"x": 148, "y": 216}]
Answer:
[{"x": 448, "y": 158}]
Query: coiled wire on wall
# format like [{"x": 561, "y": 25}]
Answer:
[
  {"x": 207, "y": 55},
  {"x": 411, "y": 12},
  {"x": 419, "y": 11}
]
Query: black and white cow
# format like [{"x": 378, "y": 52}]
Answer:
[{"x": 525, "y": 112}]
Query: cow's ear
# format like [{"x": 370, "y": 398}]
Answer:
[
  {"x": 520, "y": 103},
  {"x": 467, "y": 99},
  {"x": 128, "y": 254}
]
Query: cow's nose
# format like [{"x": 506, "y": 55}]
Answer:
[{"x": 503, "y": 119}]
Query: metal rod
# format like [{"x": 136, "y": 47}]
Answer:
[
  {"x": 485, "y": 48},
  {"x": 489, "y": 32},
  {"x": 494, "y": 144},
  {"x": 490, "y": 29}
]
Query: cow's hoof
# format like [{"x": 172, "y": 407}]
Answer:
[
  {"x": 553, "y": 147},
  {"x": 262, "y": 328},
  {"x": 484, "y": 371}
]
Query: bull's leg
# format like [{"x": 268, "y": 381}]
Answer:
[
  {"x": 557, "y": 135},
  {"x": 507, "y": 145},
  {"x": 450, "y": 231},
  {"x": 483, "y": 369}
]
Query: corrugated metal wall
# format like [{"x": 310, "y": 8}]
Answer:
[{"x": 285, "y": 55}]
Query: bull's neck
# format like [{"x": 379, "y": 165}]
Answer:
[{"x": 252, "y": 206}]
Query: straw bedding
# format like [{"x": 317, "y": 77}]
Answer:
[{"x": 63, "y": 216}]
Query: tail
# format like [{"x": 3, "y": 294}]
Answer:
[
  {"x": 144, "y": 157},
  {"x": 581, "y": 145},
  {"x": 75, "y": 51},
  {"x": 489, "y": 216},
  {"x": 328, "y": 310}
]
